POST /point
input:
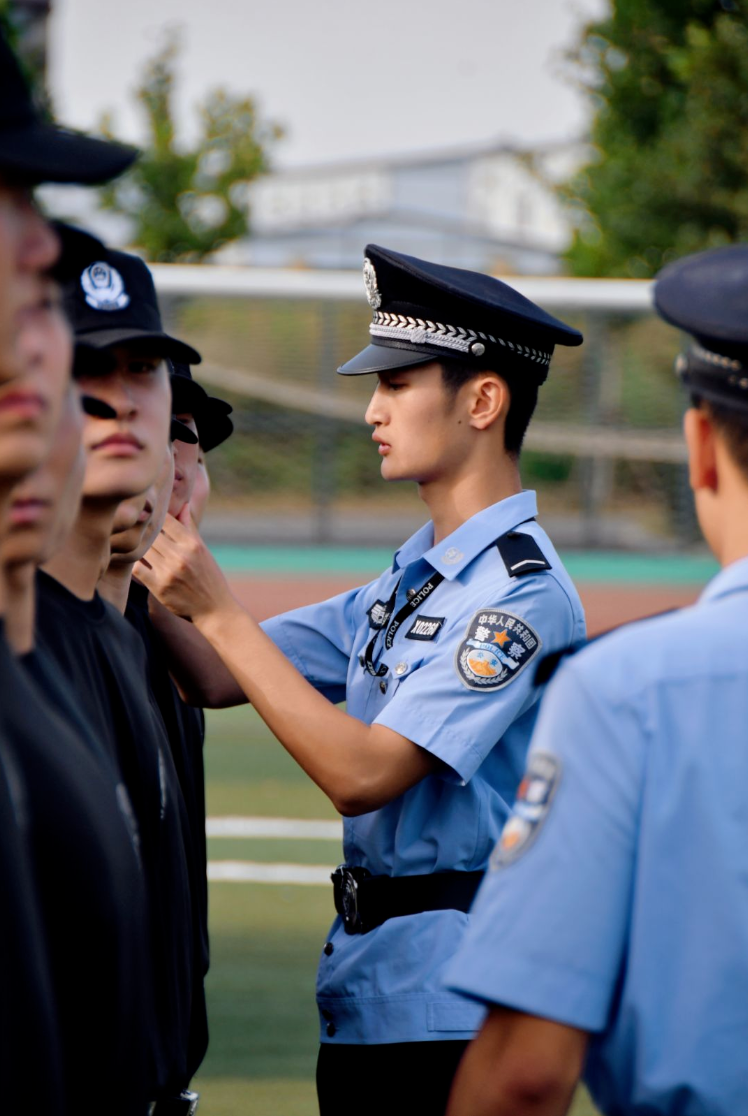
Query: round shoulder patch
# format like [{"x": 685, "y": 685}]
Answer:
[
  {"x": 534, "y": 796},
  {"x": 496, "y": 649},
  {"x": 104, "y": 287}
]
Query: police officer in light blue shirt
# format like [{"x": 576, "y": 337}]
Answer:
[
  {"x": 435, "y": 660},
  {"x": 613, "y": 924}
]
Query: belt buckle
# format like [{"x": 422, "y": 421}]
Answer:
[
  {"x": 345, "y": 883},
  {"x": 183, "y": 1105}
]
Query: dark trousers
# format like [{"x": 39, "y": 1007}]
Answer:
[{"x": 387, "y": 1079}]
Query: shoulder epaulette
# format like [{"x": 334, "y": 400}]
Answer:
[{"x": 521, "y": 554}]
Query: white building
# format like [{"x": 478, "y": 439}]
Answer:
[{"x": 488, "y": 208}]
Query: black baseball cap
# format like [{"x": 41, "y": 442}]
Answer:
[
  {"x": 706, "y": 296},
  {"x": 425, "y": 311},
  {"x": 35, "y": 151},
  {"x": 112, "y": 301},
  {"x": 210, "y": 413}
]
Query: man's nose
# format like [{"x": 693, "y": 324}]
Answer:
[{"x": 374, "y": 415}]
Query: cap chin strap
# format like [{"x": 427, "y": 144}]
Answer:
[{"x": 718, "y": 378}]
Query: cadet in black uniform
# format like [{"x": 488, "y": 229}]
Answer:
[
  {"x": 185, "y": 724},
  {"x": 113, "y": 307},
  {"x": 36, "y": 1059}
]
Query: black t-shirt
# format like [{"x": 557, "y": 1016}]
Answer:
[
  {"x": 185, "y": 728},
  {"x": 29, "y": 1030},
  {"x": 104, "y": 665},
  {"x": 91, "y": 898}
]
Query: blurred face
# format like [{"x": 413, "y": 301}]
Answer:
[
  {"x": 132, "y": 541},
  {"x": 185, "y": 468},
  {"x": 28, "y": 248},
  {"x": 418, "y": 425},
  {"x": 124, "y": 454},
  {"x": 201, "y": 491},
  {"x": 44, "y": 505},
  {"x": 31, "y": 403}
]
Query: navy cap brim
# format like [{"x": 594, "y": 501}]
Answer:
[
  {"x": 182, "y": 433},
  {"x": 40, "y": 152},
  {"x": 162, "y": 343},
  {"x": 188, "y": 397},
  {"x": 384, "y": 358}
]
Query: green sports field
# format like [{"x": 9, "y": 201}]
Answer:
[{"x": 265, "y": 937}]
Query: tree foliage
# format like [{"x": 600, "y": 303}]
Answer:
[
  {"x": 187, "y": 202},
  {"x": 669, "y": 172}
]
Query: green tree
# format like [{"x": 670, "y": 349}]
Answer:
[
  {"x": 669, "y": 173},
  {"x": 186, "y": 203}
]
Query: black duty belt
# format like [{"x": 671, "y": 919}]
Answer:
[
  {"x": 364, "y": 901},
  {"x": 183, "y": 1105}
]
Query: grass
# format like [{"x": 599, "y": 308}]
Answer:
[{"x": 265, "y": 939}]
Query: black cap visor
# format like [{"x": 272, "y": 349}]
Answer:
[
  {"x": 182, "y": 433},
  {"x": 39, "y": 152},
  {"x": 187, "y": 396},
  {"x": 385, "y": 358},
  {"x": 160, "y": 343},
  {"x": 88, "y": 361}
]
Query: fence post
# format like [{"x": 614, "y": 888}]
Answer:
[{"x": 324, "y": 440}]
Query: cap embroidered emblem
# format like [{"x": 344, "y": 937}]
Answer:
[
  {"x": 104, "y": 287},
  {"x": 452, "y": 556},
  {"x": 370, "y": 282}
]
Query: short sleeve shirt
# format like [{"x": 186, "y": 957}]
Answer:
[
  {"x": 458, "y": 680},
  {"x": 618, "y": 899}
]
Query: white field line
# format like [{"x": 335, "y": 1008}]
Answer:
[
  {"x": 275, "y": 827},
  {"x": 247, "y": 871},
  {"x": 250, "y": 871}
]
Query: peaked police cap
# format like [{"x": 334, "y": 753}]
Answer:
[
  {"x": 112, "y": 301},
  {"x": 706, "y": 296},
  {"x": 425, "y": 311},
  {"x": 36, "y": 151}
]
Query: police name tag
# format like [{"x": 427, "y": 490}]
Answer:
[
  {"x": 531, "y": 806},
  {"x": 496, "y": 649},
  {"x": 425, "y": 627}
]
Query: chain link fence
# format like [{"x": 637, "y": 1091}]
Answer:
[{"x": 604, "y": 450}]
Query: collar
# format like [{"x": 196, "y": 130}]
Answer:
[
  {"x": 731, "y": 579},
  {"x": 455, "y": 552}
]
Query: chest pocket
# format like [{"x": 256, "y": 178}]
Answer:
[{"x": 402, "y": 666}]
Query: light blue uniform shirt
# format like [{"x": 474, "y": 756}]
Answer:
[
  {"x": 624, "y": 910},
  {"x": 471, "y": 704}
]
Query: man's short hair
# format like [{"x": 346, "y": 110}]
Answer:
[
  {"x": 523, "y": 394},
  {"x": 732, "y": 425}
]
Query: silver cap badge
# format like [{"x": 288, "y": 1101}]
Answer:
[{"x": 370, "y": 282}]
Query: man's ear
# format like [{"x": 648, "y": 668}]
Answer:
[
  {"x": 489, "y": 400},
  {"x": 701, "y": 440}
]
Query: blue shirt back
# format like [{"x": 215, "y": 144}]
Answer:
[
  {"x": 619, "y": 899},
  {"x": 458, "y": 681}
]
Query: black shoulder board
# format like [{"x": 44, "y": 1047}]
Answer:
[{"x": 521, "y": 554}]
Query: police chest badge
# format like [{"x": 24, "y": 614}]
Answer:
[
  {"x": 534, "y": 797},
  {"x": 378, "y": 615},
  {"x": 104, "y": 287},
  {"x": 496, "y": 649}
]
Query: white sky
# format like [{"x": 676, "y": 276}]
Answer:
[{"x": 344, "y": 78}]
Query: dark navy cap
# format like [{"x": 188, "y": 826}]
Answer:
[
  {"x": 424, "y": 311},
  {"x": 214, "y": 425},
  {"x": 36, "y": 151},
  {"x": 210, "y": 413},
  {"x": 112, "y": 301},
  {"x": 706, "y": 295}
]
